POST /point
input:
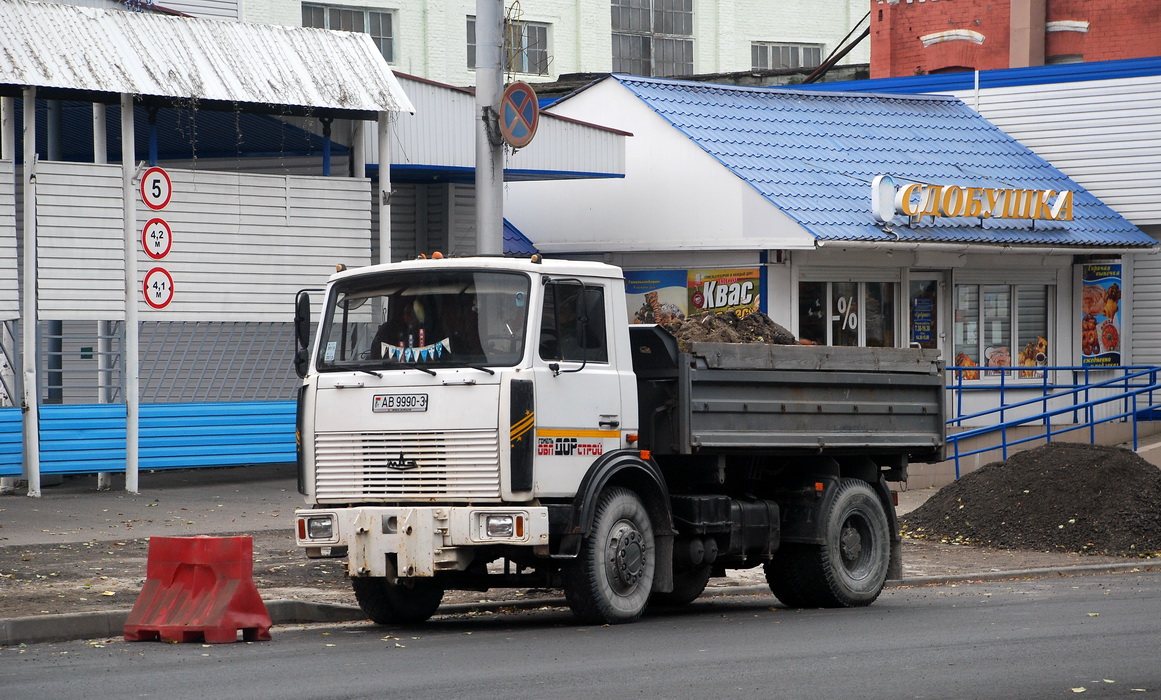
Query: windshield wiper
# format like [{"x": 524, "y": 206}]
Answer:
[
  {"x": 489, "y": 370},
  {"x": 367, "y": 371},
  {"x": 412, "y": 365}
]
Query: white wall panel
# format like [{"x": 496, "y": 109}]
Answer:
[
  {"x": 442, "y": 133},
  {"x": 1105, "y": 134},
  {"x": 80, "y": 241},
  {"x": 9, "y": 257},
  {"x": 243, "y": 244}
]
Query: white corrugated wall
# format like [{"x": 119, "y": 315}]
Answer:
[
  {"x": 243, "y": 243},
  {"x": 1105, "y": 134}
]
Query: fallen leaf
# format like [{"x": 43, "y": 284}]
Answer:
[
  {"x": 1093, "y": 614},
  {"x": 1079, "y": 690}
]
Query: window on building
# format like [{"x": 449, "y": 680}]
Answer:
[
  {"x": 765, "y": 55},
  {"x": 847, "y": 313},
  {"x": 377, "y": 23},
  {"x": 1001, "y": 326},
  {"x": 653, "y": 37},
  {"x": 525, "y": 46},
  {"x": 1063, "y": 59}
]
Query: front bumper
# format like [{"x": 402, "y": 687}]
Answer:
[{"x": 424, "y": 540}]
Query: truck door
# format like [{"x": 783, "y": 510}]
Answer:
[{"x": 578, "y": 395}]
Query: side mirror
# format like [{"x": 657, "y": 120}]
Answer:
[
  {"x": 302, "y": 333},
  {"x": 302, "y": 319}
]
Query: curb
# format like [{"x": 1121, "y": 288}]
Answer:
[{"x": 111, "y": 623}]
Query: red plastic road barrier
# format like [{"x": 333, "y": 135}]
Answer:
[{"x": 199, "y": 589}]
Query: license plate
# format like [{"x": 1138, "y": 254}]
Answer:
[{"x": 399, "y": 403}]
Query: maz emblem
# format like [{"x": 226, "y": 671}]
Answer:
[{"x": 402, "y": 463}]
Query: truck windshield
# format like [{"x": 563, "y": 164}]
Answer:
[{"x": 429, "y": 319}]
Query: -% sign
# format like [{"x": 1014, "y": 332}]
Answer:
[{"x": 847, "y": 312}]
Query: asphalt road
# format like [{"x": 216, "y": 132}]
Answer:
[{"x": 1039, "y": 638}]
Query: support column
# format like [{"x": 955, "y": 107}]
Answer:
[
  {"x": 384, "y": 137},
  {"x": 8, "y": 152},
  {"x": 28, "y": 314},
  {"x": 104, "y": 328},
  {"x": 130, "y": 351},
  {"x": 358, "y": 149}
]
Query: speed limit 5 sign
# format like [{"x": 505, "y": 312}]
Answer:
[{"x": 156, "y": 188}]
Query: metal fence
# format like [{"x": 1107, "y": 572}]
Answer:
[{"x": 1088, "y": 397}]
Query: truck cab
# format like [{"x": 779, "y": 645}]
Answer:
[{"x": 451, "y": 407}]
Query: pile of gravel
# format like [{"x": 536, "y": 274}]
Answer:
[
  {"x": 728, "y": 327},
  {"x": 1059, "y": 497}
]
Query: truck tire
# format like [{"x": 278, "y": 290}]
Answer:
[
  {"x": 849, "y": 570},
  {"x": 785, "y": 575},
  {"x": 610, "y": 580},
  {"x": 687, "y": 586},
  {"x": 389, "y": 603}
]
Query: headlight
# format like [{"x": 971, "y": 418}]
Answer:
[
  {"x": 500, "y": 526},
  {"x": 320, "y": 528}
]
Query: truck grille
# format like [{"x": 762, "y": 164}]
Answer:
[{"x": 440, "y": 465}]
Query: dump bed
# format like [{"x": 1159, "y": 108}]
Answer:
[{"x": 787, "y": 399}]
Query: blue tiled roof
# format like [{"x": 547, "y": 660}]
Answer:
[
  {"x": 814, "y": 154},
  {"x": 516, "y": 243}
]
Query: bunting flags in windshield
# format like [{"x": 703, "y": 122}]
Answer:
[{"x": 426, "y": 353}]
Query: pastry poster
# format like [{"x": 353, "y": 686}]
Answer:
[{"x": 1100, "y": 321}]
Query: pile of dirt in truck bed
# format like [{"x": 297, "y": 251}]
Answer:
[
  {"x": 728, "y": 327},
  {"x": 1060, "y": 497}
]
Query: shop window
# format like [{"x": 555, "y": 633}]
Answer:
[
  {"x": 1000, "y": 326},
  {"x": 525, "y": 46},
  {"x": 847, "y": 313},
  {"x": 377, "y": 24},
  {"x": 652, "y": 37}
]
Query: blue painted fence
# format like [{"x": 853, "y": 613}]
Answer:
[{"x": 86, "y": 439}]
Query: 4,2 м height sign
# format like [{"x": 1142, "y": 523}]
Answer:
[{"x": 157, "y": 237}]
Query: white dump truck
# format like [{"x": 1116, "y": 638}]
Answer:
[{"x": 492, "y": 422}]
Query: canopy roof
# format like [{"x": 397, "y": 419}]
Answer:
[{"x": 98, "y": 54}]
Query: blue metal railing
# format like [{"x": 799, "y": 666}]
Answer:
[{"x": 1131, "y": 393}]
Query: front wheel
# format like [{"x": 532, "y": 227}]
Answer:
[
  {"x": 850, "y": 569},
  {"x": 610, "y": 580},
  {"x": 405, "y": 602},
  {"x": 687, "y": 587}
]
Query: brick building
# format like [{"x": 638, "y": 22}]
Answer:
[{"x": 916, "y": 37}]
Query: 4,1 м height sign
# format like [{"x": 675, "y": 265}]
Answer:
[{"x": 157, "y": 237}]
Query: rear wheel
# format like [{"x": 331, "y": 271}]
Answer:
[
  {"x": 611, "y": 578},
  {"x": 404, "y": 602},
  {"x": 849, "y": 570}
]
